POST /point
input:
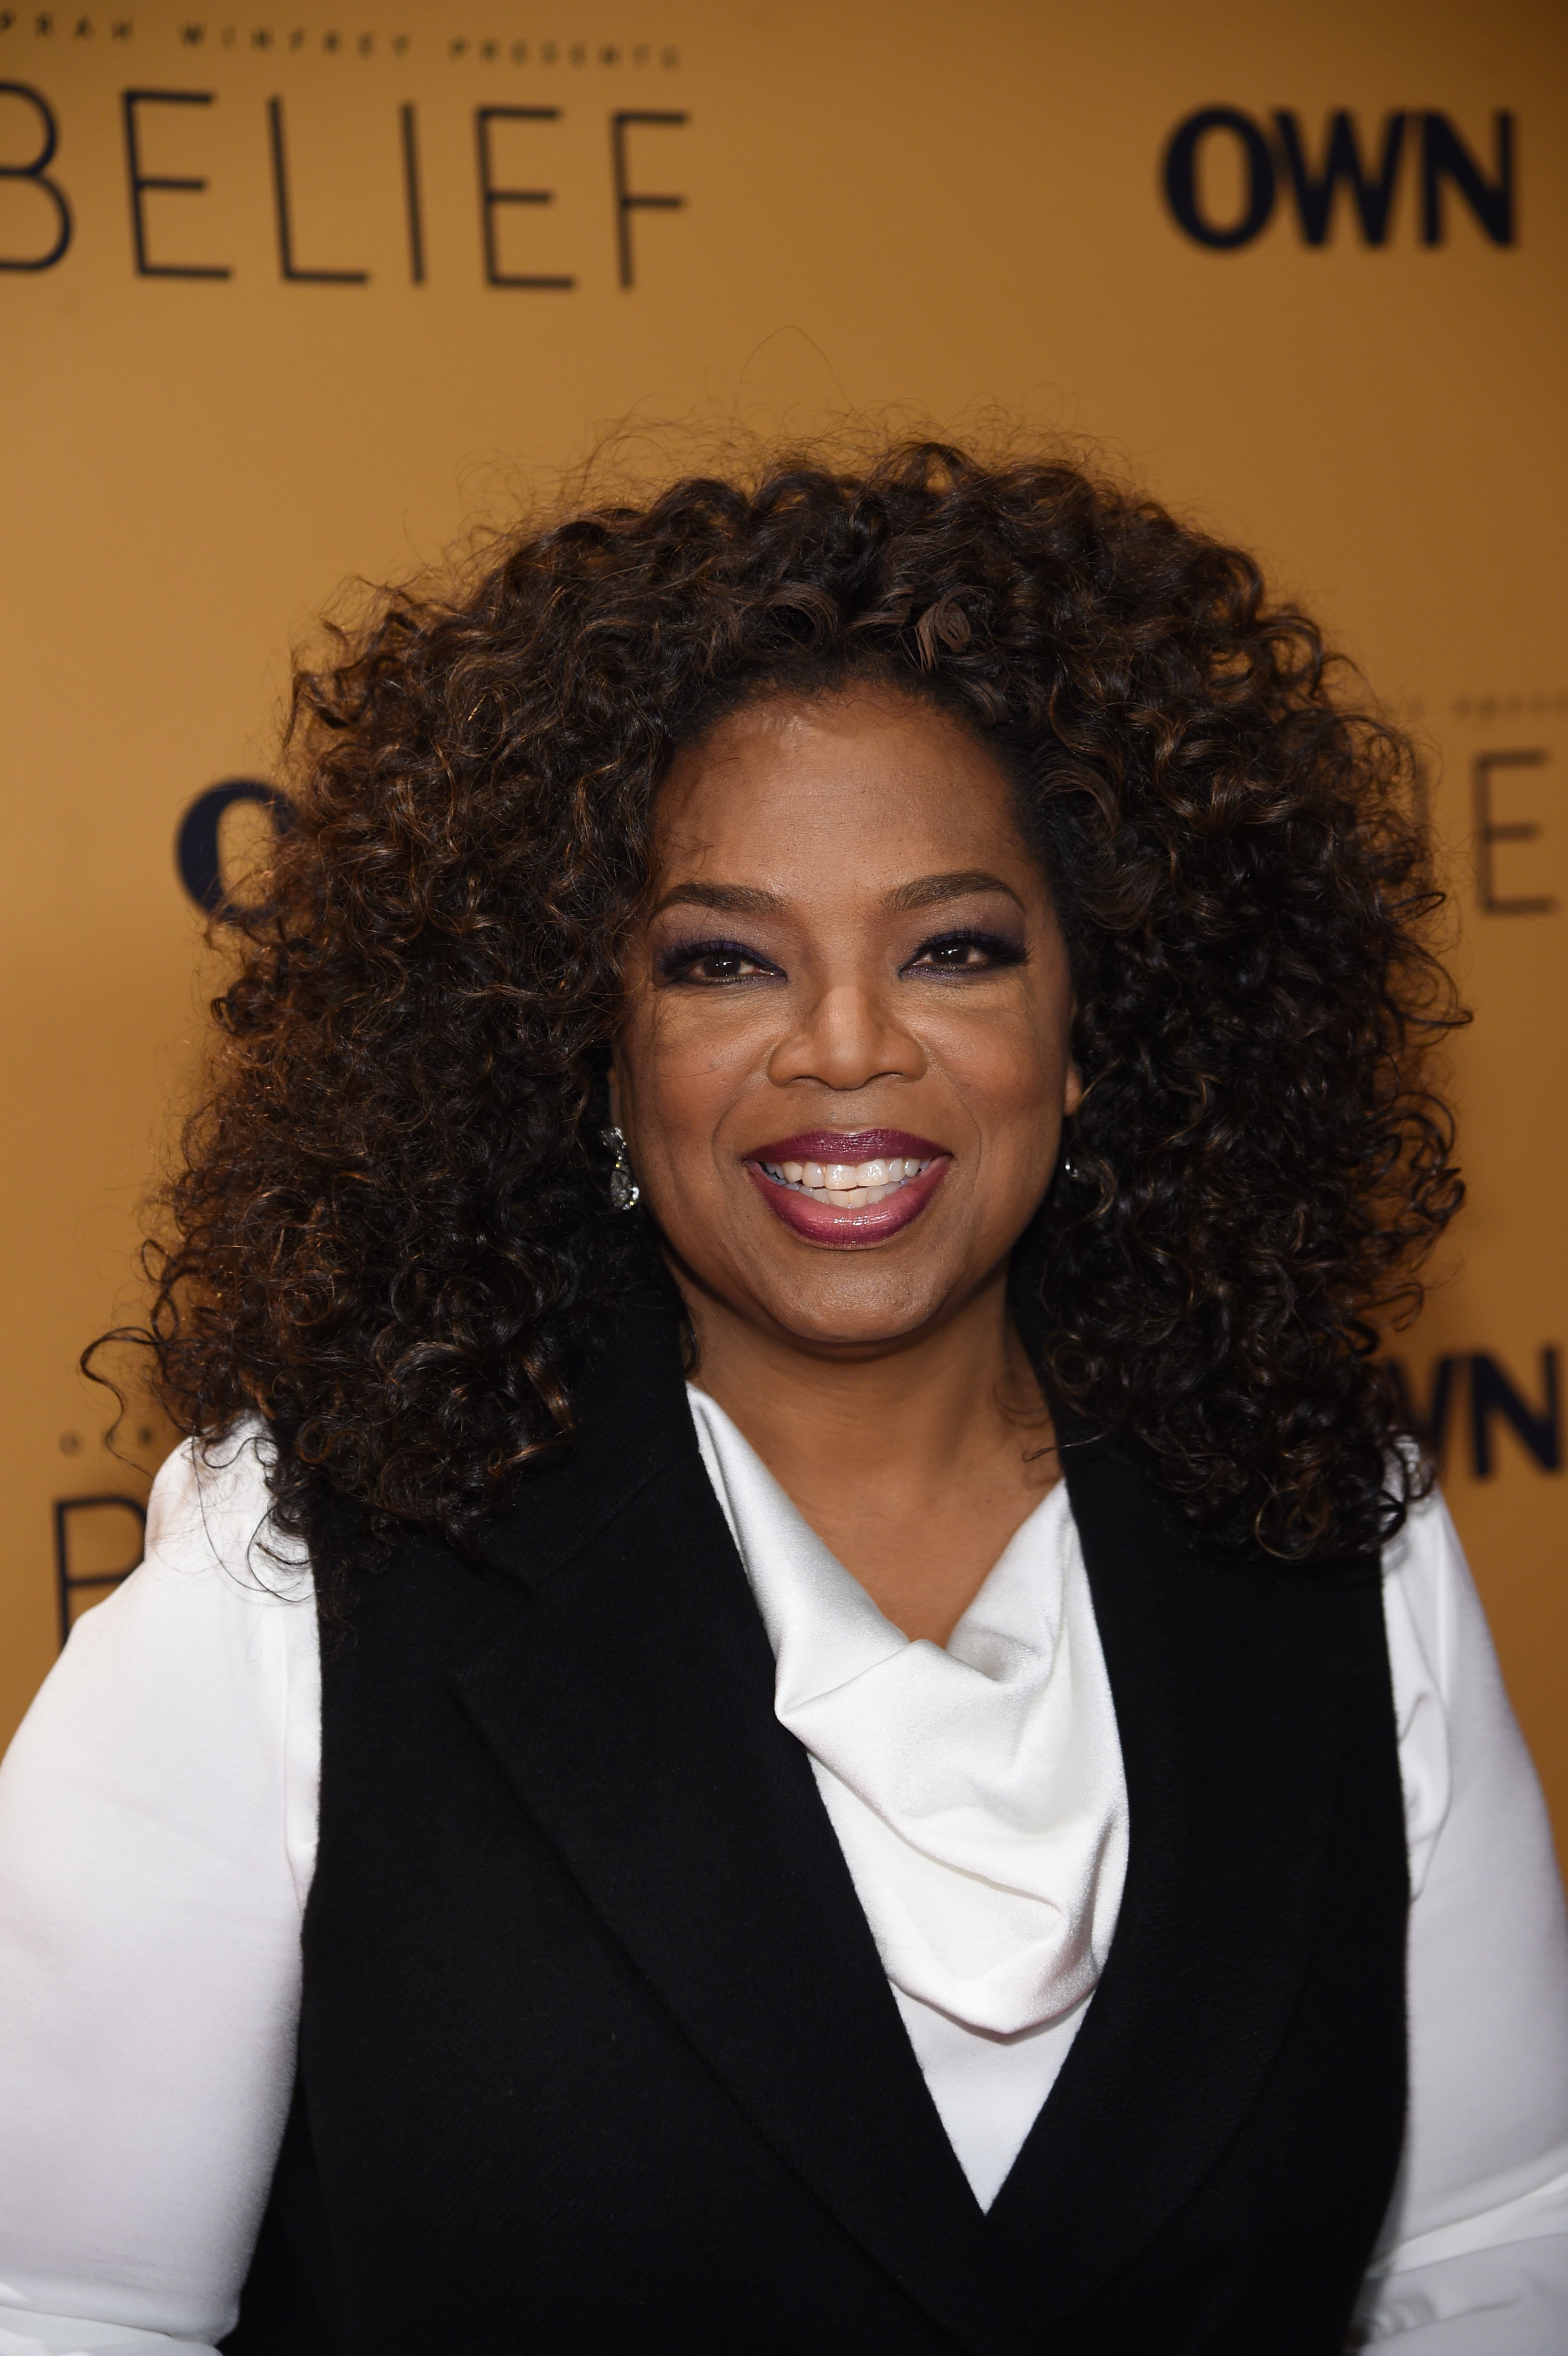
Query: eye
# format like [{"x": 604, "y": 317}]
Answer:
[
  {"x": 965, "y": 952},
  {"x": 713, "y": 964}
]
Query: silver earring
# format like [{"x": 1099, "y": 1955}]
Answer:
[{"x": 624, "y": 1191}]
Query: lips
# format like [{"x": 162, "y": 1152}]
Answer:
[{"x": 848, "y": 1187}]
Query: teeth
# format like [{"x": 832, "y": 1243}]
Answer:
[{"x": 846, "y": 1185}]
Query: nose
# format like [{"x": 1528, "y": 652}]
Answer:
[{"x": 847, "y": 1037}]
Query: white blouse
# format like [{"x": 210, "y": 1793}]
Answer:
[{"x": 157, "y": 1825}]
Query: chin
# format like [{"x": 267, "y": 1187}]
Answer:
[{"x": 849, "y": 1317}]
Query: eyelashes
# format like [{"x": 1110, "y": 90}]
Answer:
[
  {"x": 680, "y": 962},
  {"x": 950, "y": 952},
  {"x": 720, "y": 964}
]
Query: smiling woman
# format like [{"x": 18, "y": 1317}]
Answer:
[
  {"x": 889, "y": 949},
  {"x": 798, "y": 1689}
]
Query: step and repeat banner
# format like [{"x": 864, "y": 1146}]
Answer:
[{"x": 289, "y": 300}]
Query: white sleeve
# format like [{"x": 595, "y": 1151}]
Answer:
[
  {"x": 1474, "y": 2258},
  {"x": 157, "y": 1833}
]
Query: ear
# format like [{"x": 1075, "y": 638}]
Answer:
[
  {"x": 1073, "y": 1092},
  {"x": 614, "y": 1087}
]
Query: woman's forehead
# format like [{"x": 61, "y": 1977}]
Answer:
[{"x": 865, "y": 784}]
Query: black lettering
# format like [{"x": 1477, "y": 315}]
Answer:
[
  {"x": 1428, "y": 1420},
  {"x": 1181, "y": 177},
  {"x": 196, "y": 845},
  {"x": 1490, "y": 831},
  {"x": 1314, "y": 191},
  {"x": 289, "y": 266},
  {"x": 1492, "y": 1393},
  {"x": 129, "y": 100},
  {"x": 1445, "y": 156},
  {"x": 69, "y": 1582},
  {"x": 630, "y": 201},
  {"x": 412, "y": 202},
  {"x": 490, "y": 196},
  {"x": 37, "y": 170}
]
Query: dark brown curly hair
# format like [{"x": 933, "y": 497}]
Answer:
[{"x": 391, "y": 1229}]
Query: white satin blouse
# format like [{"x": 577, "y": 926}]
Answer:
[{"x": 157, "y": 1823}]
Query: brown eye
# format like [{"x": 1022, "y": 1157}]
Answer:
[
  {"x": 965, "y": 953},
  {"x": 713, "y": 963}
]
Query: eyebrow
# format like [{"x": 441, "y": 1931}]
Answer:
[
  {"x": 734, "y": 899},
  {"x": 924, "y": 892},
  {"x": 927, "y": 890}
]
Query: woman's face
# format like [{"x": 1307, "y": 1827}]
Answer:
[{"x": 845, "y": 1060}]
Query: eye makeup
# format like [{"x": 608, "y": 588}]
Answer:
[
  {"x": 947, "y": 951},
  {"x": 679, "y": 961}
]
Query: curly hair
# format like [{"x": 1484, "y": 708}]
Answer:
[{"x": 391, "y": 1228}]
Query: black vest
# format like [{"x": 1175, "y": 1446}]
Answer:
[{"x": 597, "y": 2057}]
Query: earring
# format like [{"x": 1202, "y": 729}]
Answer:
[{"x": 624, "y": 1191}]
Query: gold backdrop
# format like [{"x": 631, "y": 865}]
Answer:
[{"x": 290, "y": 299}]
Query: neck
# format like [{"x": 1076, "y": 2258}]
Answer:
[{"x": 912, "y": 1422}]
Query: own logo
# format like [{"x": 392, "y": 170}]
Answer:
[{"x": 1276, "y": 157}]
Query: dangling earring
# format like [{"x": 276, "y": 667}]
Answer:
[{"x": 624, "y": 1191}]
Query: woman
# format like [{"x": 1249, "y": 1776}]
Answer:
[{"x": 798, "y": 1195}]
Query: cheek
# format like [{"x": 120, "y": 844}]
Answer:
[
  {"x": 1010, "y": 1066},
  {"x": 682, "y": 1068}
]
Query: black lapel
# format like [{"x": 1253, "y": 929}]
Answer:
[
  {"x": 1230, "y": 1684},
  {"x": 631, "y": 1706}
]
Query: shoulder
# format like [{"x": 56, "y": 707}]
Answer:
[
  {"x": 1425, "y": 1580},
  {"x": 1471, "y": 1792},
  {"x": 210, "y": 1518},
  {"x": 217, "y": 1615},
  {"x": 1438, "y": 1636},
  {"x": 188, "y": 1703}
]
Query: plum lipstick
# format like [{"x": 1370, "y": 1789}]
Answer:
[{"x": 848, "y": 1187}]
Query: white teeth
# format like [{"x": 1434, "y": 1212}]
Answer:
[{"x": 846, "y": 1186}]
